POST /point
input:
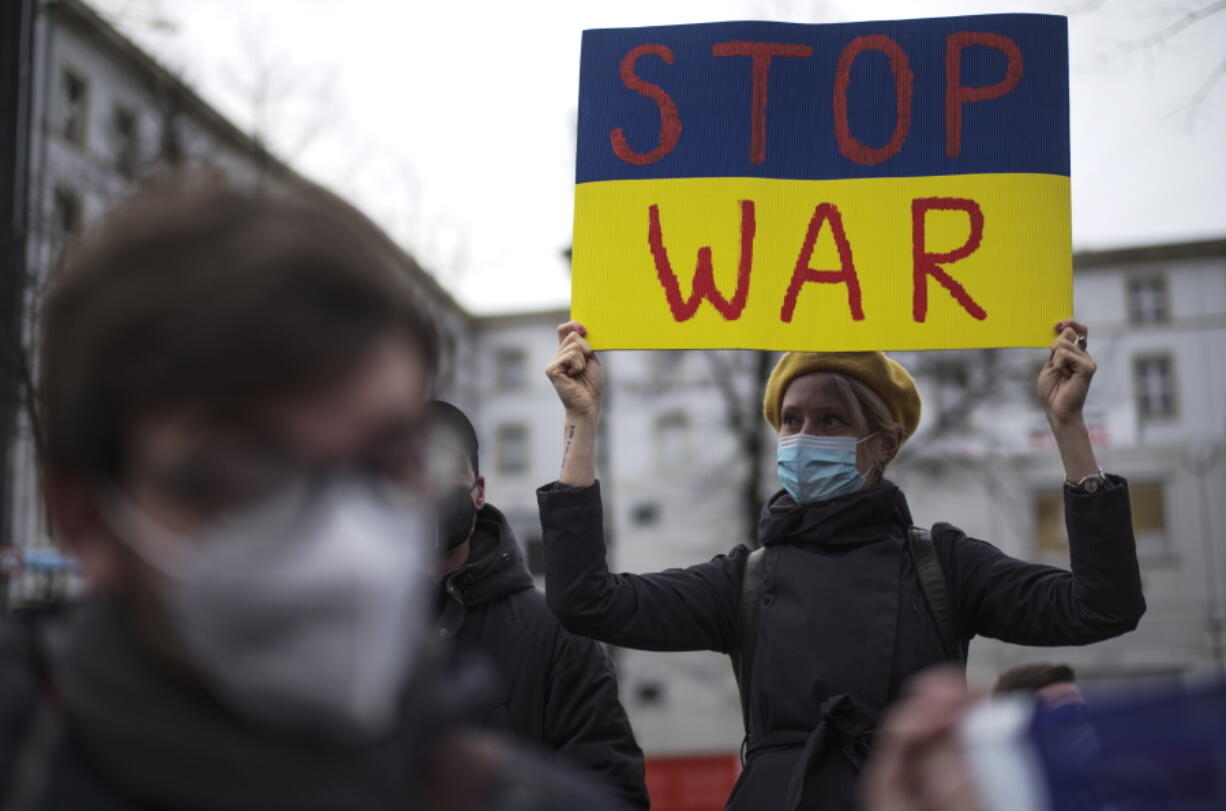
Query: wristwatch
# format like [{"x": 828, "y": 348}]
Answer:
[{"x": 1090, "y": 484}]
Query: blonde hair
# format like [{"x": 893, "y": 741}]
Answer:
[{"x": 870, "y": 414}]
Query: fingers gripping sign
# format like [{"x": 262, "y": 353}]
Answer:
[
  {"x": 578, "y": 378},
  {"x": 1062, "y": 386},
  {"x": 1065, "y": 379},
  {"x": 575, "y": 371}
]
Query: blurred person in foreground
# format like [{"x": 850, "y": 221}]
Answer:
[
  {"x": 918, "y": 762},
  {"x": 233, "y": 387},
  {"x": 843, "y": 606},
  {"x": 553, "y": 688},
  {"x": 1054, "y": 687},
  {"x": 940, "y": 747},
  {"x": 1053, "y": 684}
]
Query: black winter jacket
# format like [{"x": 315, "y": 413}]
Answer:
[
  {"x": 842, "y": 621},
  {"x": 90, "y": 722},
  {"x": 552, "y": 687}
]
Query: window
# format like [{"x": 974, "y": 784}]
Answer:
[
  {"x": 512, "y": 449},
  {"x": 1155, "y": 386},
  {"x": 1147, "y": 300},
  {"x": 65, "y": 216},
  {"x": 510, "y": 368},
  {"x": 1050, "y": 537},
  {"x": 74, "y": 106},
  {"x": 125, "y": 138},
  {"x": 646, "y": 514},
  {"x": 650, "y": 693},
  {"x": 1149, "y": 519}
]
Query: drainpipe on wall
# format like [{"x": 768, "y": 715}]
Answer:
[
  {"x": 1203, "y": 460},
  {"x": 16, "y": 35}
]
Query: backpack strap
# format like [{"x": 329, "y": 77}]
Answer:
[
  {"x": 747, "y": 626},
  {"x": 935, "y": 587}
]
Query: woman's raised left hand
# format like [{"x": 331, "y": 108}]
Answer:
[{"x": 1065, "y": 378}]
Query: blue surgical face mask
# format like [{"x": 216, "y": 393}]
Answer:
[{"x": 817, "y": 468}]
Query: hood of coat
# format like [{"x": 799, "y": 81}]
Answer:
[
  {"x": 856, "y": 518},
  {"x": 495, "y": 567}
]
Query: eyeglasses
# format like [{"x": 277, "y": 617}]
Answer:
[{"x": 229, "y": 474}]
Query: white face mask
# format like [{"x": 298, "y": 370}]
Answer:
[{"x": 303, "y": 612}]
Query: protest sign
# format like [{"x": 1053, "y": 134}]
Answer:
[{"x": 882, "y": 185}]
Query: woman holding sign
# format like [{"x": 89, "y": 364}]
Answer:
[{"x": 846, "y": 599}]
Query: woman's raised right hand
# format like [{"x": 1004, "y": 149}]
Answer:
[{"x": 576, "y": 373}]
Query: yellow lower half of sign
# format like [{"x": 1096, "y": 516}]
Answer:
[{"x": 947, "y": 262}]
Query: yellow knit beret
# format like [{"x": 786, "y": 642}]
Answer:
[{"x": 885, "y": 377}]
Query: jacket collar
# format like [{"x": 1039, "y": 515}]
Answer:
[
  {"x": 495, "y": 568},
  {"x": 168, "y": 741},
  {"x": 856, "y": 518}
]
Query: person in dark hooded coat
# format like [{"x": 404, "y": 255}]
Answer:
[
  {"x": 232, "y": 387},
  {"x": 841, "y": 615},
  {"x": 549, "y": 686}
]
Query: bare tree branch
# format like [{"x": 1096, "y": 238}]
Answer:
[
  {"x": 1084, "y": 7},
  {"x": 742, "y": 415},
  {"x": 147, "y": 14},
  {"x": 723, "y": 376},
  {"x": 1165, "y": 34},
  {"x": 272, "y": 85},
  {"x": 1202, "y": 92},
  {"x": 322, "y": 94},
  {"x": 1187, "y": 19},
  {"x": 983, "y": 384},
  {"x": 24, "y": 372}
]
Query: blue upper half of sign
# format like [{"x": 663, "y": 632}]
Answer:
[{"x": 1024, "y": 130}]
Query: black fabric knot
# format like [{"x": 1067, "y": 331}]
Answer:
[{"x": 845, "y": 728}]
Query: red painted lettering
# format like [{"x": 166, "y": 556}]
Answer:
[
  {"x": 927, "y": 264},
  {"x": 761, "y": 53},
  {"x": 956, "y": 95},
  {"x": 803, "y": 273},
  {"x": 670, "y": 121},
  {"x": 904, "y": 79},
  {"x": 704, "y": 274}
]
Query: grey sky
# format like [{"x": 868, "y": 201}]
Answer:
[{"x": 452, "y": 123}]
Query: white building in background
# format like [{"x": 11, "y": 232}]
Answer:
[
  {"x": 1157, "y": 414},
  {"x": 104, "y": 116},
  {"x": 105, "y": 113}
]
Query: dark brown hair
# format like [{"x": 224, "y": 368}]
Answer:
[
  {"x": 1032, "y": 678},
  {"x": 199, "y": 293}
]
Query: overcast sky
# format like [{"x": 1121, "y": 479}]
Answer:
[{"x": 452, "y": 123}]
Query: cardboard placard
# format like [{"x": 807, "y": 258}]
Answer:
[{"x": 880, "y": 185}]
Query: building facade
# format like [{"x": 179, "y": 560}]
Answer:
[{"x": 104, "y": 116}]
